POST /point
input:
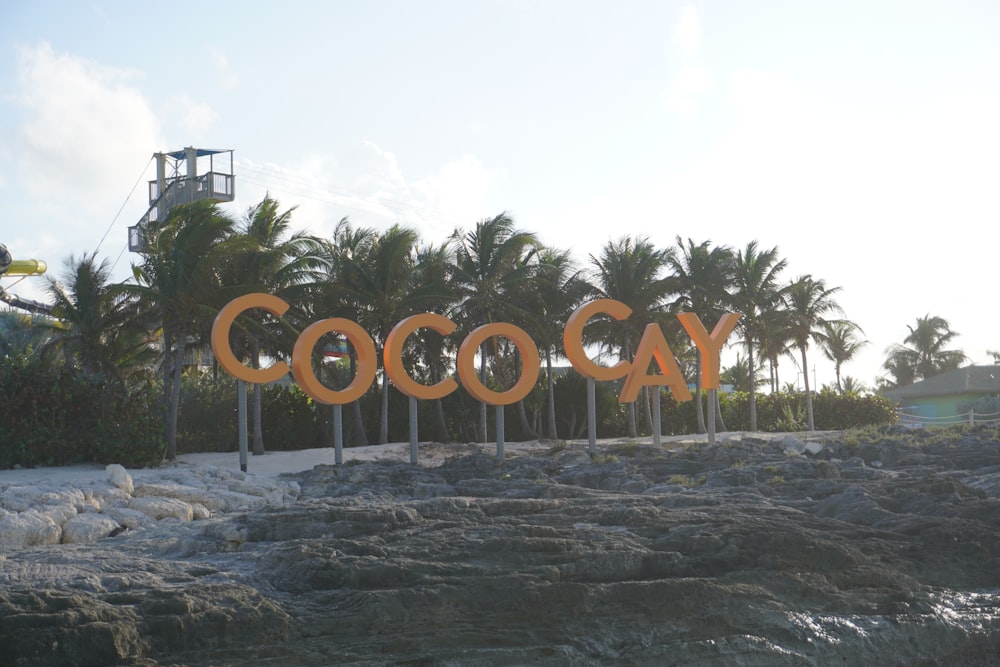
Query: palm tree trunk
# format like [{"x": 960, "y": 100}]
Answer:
[
  {"x": 647, "y": 407},
  {"x": 175, "y": 401},
  {"x": 442, "y": 425},
  {"x": 753, "y": 389},
  {"x": 809, "y": 399},
  {"x": 698, "y": 406},
  {"x": 553, "y": 434},
  {"x": 168, "y": 374},
  {"x": 632, "y": 429},
  {"x": 360, "y": 438},
  {"x": 258, "y": 421},
  {"x": 720, "y": 426},
  {"x": 522, "y": 414},
  {"x": 482, "y": 405}
]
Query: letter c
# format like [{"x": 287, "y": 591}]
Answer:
[
  {"x": 393, "y": 356},
  {"x": 573, "y": 339},
  {"x": 220, "y": 337}
]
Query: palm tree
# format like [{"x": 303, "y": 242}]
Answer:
[
  {"x": 923, "y": 354},
  {"x": 774, "y": 341},
  {"x": 435, "y": 266},
  {"x": 386, "y": 284},
  {"x": 632, "y": 271},
  {"x": 554, "y": 293},
  {"x": 702, "y": 275},
  {"x": 22, "y": 332},
  {"x": 492, "y": 262},
  {"x": 275, "y": 261},
  {"x": 853, "y": 385},
  {"x": 840, "y": 343},
  {"x": 180, "y": 286},
  {"x": 738, "y": 375},
  {"x": 346, "y": 243},
  {"x": 97, "y": 321},
  {"x": 809, "y": 301},
  {"x": 755, "y": 293}
]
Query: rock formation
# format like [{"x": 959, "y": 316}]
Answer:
[{"x": 882, "y": 550}]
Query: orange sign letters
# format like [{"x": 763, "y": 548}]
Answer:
[{"x": 652, "y": 346}]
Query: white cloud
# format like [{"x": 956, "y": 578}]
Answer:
[
  {"x": 692, "y": 81},
  {"x": 687, "y": 90},
  {"x": 687, "y": 34},
  {"x": 221, "y": 63},
  {"x": 85, "y": 130},
  {"x": 365, "y": 183},
  {"x": 196, "y": 120}
]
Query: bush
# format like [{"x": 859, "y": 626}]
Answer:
[
  {"x": 207, "y": 419},
  {"x": 831, "y": 411},
  {"x": 51, "y": 414}
]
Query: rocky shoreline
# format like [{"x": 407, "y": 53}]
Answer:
[{"x": 876, "y": 548}]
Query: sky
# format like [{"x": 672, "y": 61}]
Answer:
[{"x": 859, "y": 138}]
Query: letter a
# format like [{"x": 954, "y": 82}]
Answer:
[{"x": 654, "y": 346}]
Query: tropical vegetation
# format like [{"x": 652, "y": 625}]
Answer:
[{"x": 143, "y": 345}]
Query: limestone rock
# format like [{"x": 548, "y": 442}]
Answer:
[
  {"x": 88, "y": 527},
  {"x": 28, "y": 528},
  {"x": 118, "y": 476},
  {"x": 161, "y": 508}
]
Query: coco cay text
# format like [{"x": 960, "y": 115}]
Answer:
[{"x": 652, "y": 347}]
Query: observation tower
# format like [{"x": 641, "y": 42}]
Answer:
[{"x": 183, "y": 177}]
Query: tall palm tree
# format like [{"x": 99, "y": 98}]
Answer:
[
  {"x": 275, "y": 260},
  {"x": 492, "y": 261},
  {"x": 386, "y": 283},
  {"x": 840, "y": 344},
  {"x": 756, "y": 291},
  {"x": 435, "y": 266},
  {"x": 634, "y": 272},
  {"x": 179, "y": 282},
  {"x": 22, "y": 332},
  {"x": 702, "y": 276},
  {"x": 738, "y": 375},
  {"x": 809, "y": 302},
  {"x": 774, "y": 341},
  {"x": 97, "y": 321},
  {"x": 553, "y": 294},
  {"x": 923, "y": 353},
  {"x": 346, "y": 243}
]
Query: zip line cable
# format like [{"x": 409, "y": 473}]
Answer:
[{"x": 115, "y": 219}]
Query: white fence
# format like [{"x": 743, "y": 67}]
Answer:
[{"x": 971, "y": 417}]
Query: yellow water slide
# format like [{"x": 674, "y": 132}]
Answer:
[
  {"x": 26, "y": 267},
  {"x": 10, "y": 267}
]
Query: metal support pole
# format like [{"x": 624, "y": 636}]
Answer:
[
  {"x": 413, "y": 430},
  {"x": 241, "y": 416},
  {"x": 712, "y": 398},
  {"x": 657, "y": 430},
  {"x": 592, "y": 416},
  {"x": 338, "y": 434},
  {"x": 500, "y": 434}
]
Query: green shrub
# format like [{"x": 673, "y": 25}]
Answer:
[{"x": 52, "y": 414}]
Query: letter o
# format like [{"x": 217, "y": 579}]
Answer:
[
  {"x": 529, "y": 363},
  {"x": 220, "y": 337},
  {"x": 302, "y": 361}
]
